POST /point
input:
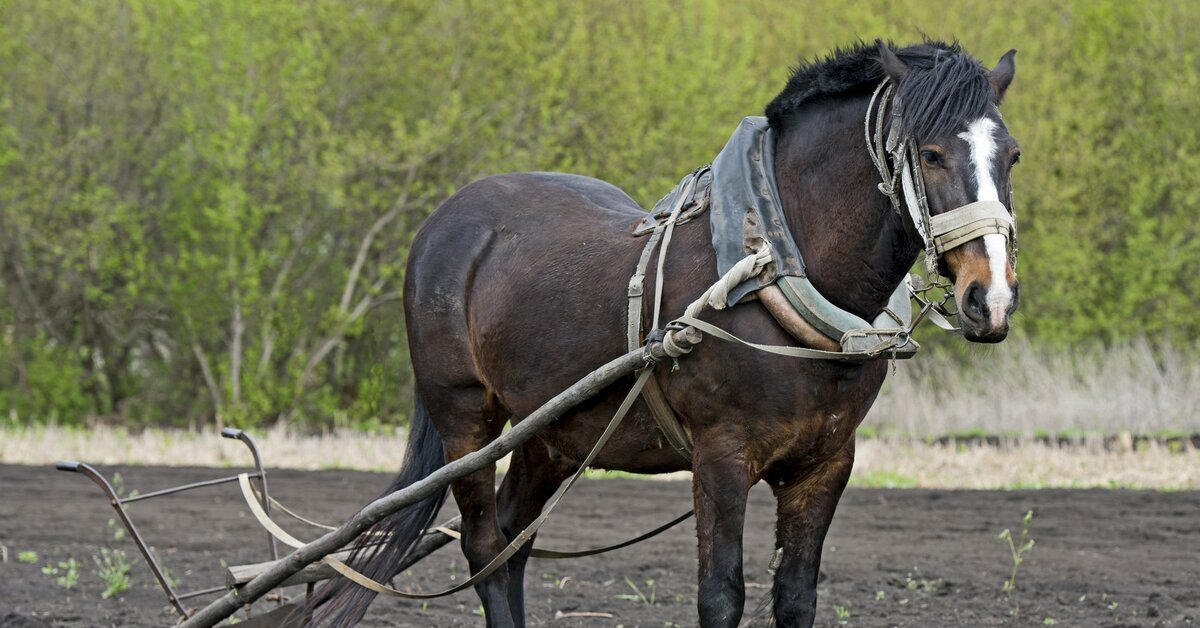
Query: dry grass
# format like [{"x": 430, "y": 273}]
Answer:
[
  {"x": 881, "y": 462},
  {"x": 908, "y": 463},
  {"x": 341, "y": 449},
  {"x": 1020, "y": 388}
]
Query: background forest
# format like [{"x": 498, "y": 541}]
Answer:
[{"x": 205, "y": 207}]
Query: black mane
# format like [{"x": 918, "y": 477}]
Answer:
[{"x": 944, "y": 89}]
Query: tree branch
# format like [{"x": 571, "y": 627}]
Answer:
[
  {"x": 364, "y": 248},
  {"x": 210, "y": 381}
]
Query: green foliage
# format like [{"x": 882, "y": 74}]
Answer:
[
  {"x": 65, "y": 573},
  {"x": 882, "y": 479},
  {"x": 42, "y": 380},
  {"x": 28, "y": 557},
  {"x": 206, "y": 206},
  {"x": 113, "y": 569}
]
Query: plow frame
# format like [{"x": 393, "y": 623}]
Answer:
[{"x": 118, "y": 504}]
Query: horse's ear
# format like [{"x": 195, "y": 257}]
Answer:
[
  {"x": 1002, "y": 75},
  {"x": 892, "y": 65}
]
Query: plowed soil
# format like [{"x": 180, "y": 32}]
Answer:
[{"x": 892, "y": 558}]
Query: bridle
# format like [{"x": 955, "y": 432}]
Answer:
[{"x": 897, "y": 159}]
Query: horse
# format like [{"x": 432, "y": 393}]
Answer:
[{"x": 515, "y": 289}]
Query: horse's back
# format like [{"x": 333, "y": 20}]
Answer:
[
  {"x": 513, "y": 263},
  {"x": 536, "y": 198}
]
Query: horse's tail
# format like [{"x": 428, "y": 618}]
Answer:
[{"x": 340, "y": 603}]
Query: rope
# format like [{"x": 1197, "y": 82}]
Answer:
[
  {"x": 557, "y": 555},
  {"x": 297, "y": 517},
  {"x": 783, "y": 350},
  {"x": 513, "y": 547},
  {"x": 718, "y": 293},
  {"x": 537, "y": 552}
]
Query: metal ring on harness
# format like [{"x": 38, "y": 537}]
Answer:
[{"x": 654, "y": 336}]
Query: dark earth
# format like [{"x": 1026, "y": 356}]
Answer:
[{"x": 892, "y": 558}]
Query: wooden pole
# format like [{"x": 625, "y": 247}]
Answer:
[{"x": 333, "y": 541}]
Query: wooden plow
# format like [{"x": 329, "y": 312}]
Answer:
[{"x": 310, "y": 563}]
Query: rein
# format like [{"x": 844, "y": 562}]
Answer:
[{"x": 511, "y": 549}]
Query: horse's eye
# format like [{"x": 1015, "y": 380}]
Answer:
[
  {"x": 1016, "y": 158},
  {"x": 931, "y": 158}
]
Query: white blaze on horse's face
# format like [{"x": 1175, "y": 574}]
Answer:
[
  {"x": 976, "y": 168},
  {"x": 983, "y": 151}
]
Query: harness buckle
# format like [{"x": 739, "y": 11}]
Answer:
[{"x": 636, "y": 286}]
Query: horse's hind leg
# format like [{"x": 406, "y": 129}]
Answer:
[
  {"x": 475, "y": 494},
  {"x": 532, "y": 478}
]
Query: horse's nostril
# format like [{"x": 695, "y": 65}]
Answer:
[{"x": 976, "y": 303}]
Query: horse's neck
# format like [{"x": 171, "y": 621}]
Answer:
[{"x": 854, "y": 245}]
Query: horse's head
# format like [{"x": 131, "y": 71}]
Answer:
[{"x": 951, "y": 110}]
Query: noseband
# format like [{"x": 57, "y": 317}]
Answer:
[{"x": 898, "y": 161}]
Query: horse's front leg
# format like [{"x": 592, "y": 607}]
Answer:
[
  {"x": 721, "y": 480},
  {"x": 806, "y": 500}
]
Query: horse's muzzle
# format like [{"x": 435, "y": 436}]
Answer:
[{"x": 983, "y": 319}]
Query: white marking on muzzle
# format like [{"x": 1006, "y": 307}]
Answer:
[{"x": 979, "y": 139}]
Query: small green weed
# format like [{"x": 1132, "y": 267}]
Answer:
[
  {"x": 118, "y": 532},
  {"x": 65, "y": 574},
  {"x": 920, "y": 582},
  {"x": 171, "y": 580},
  {"x": 1018, "y": 549},
  {"x": 113, "y": 569},
  {"x": 638, "y": 595},
  {"x": 166, "y": 573},
  {"x": 28, "y": 557},
  {"x": 841, "y": 612}
]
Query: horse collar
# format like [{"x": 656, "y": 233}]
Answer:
[{"x": 746, "y": 215}]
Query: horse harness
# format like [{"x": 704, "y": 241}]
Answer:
[{"x": 764, "y": 237}]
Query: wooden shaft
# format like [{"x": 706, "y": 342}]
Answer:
[{"x": 333, "y": 541}]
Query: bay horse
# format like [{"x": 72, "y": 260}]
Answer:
[{"x": 515, "y": 290}]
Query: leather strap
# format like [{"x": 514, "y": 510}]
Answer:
[
  {"x": 536, "y": 552},
  {"x": 668, "y": 422},
  {"x": 517, "y": 543},
  {"x": 666, "y": 419},
  {"x": 959, "y": 226},
  {"x": 557, "y": 555},
  {"x": 637, "y": 282}
]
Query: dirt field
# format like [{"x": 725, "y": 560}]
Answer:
[{"x": 893, "y": 557}]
